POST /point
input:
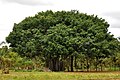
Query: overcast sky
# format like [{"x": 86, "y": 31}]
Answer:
[{"x": 14, "y": 11}]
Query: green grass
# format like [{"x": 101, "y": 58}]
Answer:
[{"x": 61, "y": 76}]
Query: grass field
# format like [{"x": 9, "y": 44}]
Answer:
[{"x": 61, "y": 76}]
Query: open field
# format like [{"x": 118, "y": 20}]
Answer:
[{"x": 61, "y": 76}]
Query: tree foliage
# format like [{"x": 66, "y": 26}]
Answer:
[{"x": 61, "y": 36}]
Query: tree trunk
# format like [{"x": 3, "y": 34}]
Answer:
[
  {"x": 71, "y": 64},
  {"x": 47, "y": 62},
  {"x": 75, "y": 63},
  {"x": 61, "y": 66},
  {"x": 90, "y": 64},
  {"x": 101, "y": 67},
  {"x": 87, "y": 65},
  {"x": 57, "y": 64},
  {"x": 53, "y": 64},
  {"x": 96, "y": 65}
]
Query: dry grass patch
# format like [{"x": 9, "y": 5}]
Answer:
[{"x": 61, "y": 76}]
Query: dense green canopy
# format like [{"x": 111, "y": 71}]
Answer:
[{"x": 61, "y": 35}]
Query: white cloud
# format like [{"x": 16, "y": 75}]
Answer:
[
  {"x": 115, "y": 31},
  {"x": 115, "y": 21},
  {"x": 29, "y": 2}
]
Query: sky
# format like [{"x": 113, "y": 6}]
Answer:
[{"x": 14, "y": 11}]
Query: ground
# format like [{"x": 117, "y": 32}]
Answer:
[{"x": 61, "y": 76}]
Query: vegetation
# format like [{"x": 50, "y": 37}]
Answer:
[
  {"x": 60, "y": 76},
  {"x": 62, "y": 41},
  {"x": 11, "y": 60}
]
